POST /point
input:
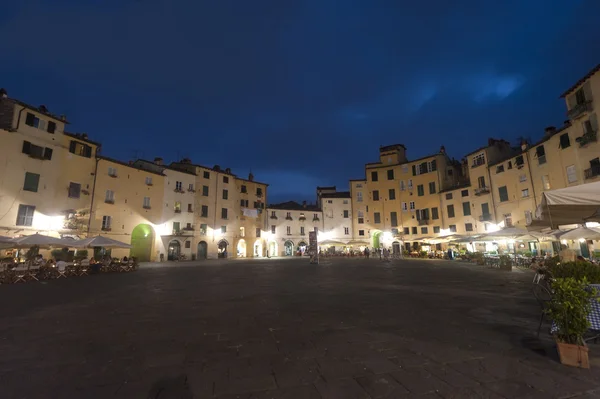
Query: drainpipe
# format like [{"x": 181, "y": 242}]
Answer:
[
  {"x": 19, "y": 118},
  {"x": 216, "y": 199},
  {"x": 491, "y": 191},
  {"x": 531, "y": 180},
  {"x": 93, "y": 193}
]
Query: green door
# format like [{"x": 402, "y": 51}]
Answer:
[{"x": 142, "y": 238}]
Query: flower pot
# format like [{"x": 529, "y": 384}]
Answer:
[{"x": 573, "y": 355}]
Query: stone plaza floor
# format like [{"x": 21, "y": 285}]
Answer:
[{"x": 282, "y": 328}]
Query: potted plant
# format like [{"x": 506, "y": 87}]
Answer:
[
  {"x": 569, "y": 308},
  {"x": 505, "y": 262}
]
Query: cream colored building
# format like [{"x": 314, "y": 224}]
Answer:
[
  {"x": 229, "y": 212},
  {"x": 288, "y": 226},
  {"x": 127, "y": 206},
  {"x": 337, "y": 215},
  {"x": 46, "y": 174}
]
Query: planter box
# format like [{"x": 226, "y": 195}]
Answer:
[{"x": 573, "y": 355}]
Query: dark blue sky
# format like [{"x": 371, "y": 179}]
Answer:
[{"x": 301, "y": 92}]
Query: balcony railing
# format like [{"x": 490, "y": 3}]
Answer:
[
  {"x": 288, "y": 218},
  {"x": 579, "y": 110},
  {"x": 316, "y": 219},
  {"x": 588, "y": 137},
  {"x": 302, "y": 218},
  {"x": 189, "y": 228},
  {"x": 177, "y": 210},
  {"x": 423, "y": 222},
  {"x": 273, "y": 217},
  {"x": 147, "y": 207},
  {"x": 109, "y": 201},
  {"x": 106, "y": 229},
  {"x": 178, "y": 190},
  {"x": 485, "y": 218},
  {"x": 592, "y": 172},
  {"x": 482, "y": 190}
]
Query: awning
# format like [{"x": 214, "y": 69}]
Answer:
[{"x": 569, "y": 205}]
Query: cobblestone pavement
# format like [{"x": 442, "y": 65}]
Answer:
[{"x": 279, "y": 328}]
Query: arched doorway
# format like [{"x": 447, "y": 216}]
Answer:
[
  {"x": 241, "y": 248},
  {"x": 301, "y": 248},
  {"x": 272, "y": 250},
  {"x": 142, "y": 239},
  {"x": 202, "y": 250},
  {"x": 288, "y": 248},
  {"x": 174, "y": 250},
  {"x": 222, "y": 249},
  {"x": 258, "y": 249},
  {"x": 376, "y": 238},
  {"x": 396, "y": 247}
]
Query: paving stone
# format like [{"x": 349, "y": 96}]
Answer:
[
  {"x": 341, "y": 388},
  {"x": 451, "y": 376},
  {"x": 381, "y": 386},
  {"x": 418, "y": 380},
  {"x": 339, "y": 368},
  {"x": 296, "y": 372},
  {"x": 476, "y": 392}
]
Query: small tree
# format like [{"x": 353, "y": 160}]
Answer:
[{"x": 569, "y": 308}]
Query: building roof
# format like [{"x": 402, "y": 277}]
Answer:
[
  {"x": 581, "y": 81},
  {"x": 358, "y": 180},
  {"x": 141, "y": 162},
  {"x": 37, "y": 109},
  {"x": 515, "y": 153},
  {"x": 294, "y": 206},
  {"x": 391, "y": 147},
  {"x": 459, "y": 186},
  {"x": 82, "y": 137},
  {"x": 339, "y": 194},
  {"x": 174, "y": 166},
  {"x": 129, "y": 165},
  {"x": 382, "y": 165},
  {"x": 326, "y": 188}
]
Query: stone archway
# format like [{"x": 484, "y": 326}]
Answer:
[
  {"x": 222, "y": 251},
  {"x": 302, "y": 247},
  {"x": 258, "y": 249},
  {"x": 396, "y": 248},
  {"x": 241, "y": 248},
  {"x": 272, "y": 249},
  {"x": 202, "y": 251},
  {"x": 142, "y": 241},
  {"x": 376, "y": 239},
  {"x": 288, "y": 248},
  {"x": 173, "y": 250}
]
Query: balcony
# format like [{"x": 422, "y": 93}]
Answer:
[
  {"x": 149, "y": 184},
  {"x": 273, "y": 217},
  {"x": 302, "y": 218},
  {"x": 289, "y": 218},
  {"x": 592, "y": 172},
  {"x": 178, "y": 190},
  {"x": 112, "y": 174},
  {"x": 109, "y": 201},
  {"x": 316, "y": 219},
  {"x": 147, "y": 207},
  {"x": 106, "y": 228},
  {"x": 423, "y": 222},
  {"x": 482, "y": 190},
  {"x": 177, "y": 211},
  {"x": 188, "y": 228},
  {"x": 588, "y": 137},
  {"x": 191, "y": 190},
  {"x": 485, "y": 218},
  {"x": 579, "y": 110}
]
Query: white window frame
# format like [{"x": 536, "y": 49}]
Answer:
[
  {"x": 404, "y": 206},
  {"x": 525, "y": 193},
  {"x": 402, "y": 186},
  {"x": 109, "y": 196},
  {"x": 412, "y": 205},
  {"x": 112, "y": 171},
  {"x": 571, "y": 174},
  {"x": 359, "y": 196},
  {"x": 146, "y": 202},
  {"x": 106, "y": 222},
  {"x": 148, "y": 181}
]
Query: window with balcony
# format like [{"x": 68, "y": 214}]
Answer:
[
  {"x": 177, "y": 207},
  {"x": 178, "y": 186},
  {"x": 376, "y": 218},
  {"x": 32, "y": 181},
  {"x": 450, "y": 211},
  {"x": 25, "y": 215},
  {"x": 176, "y": 227},
  {"x": 374, "y": 176},
  {"x": 106, "y": 223},
  {"x": 411, "y": 205}
]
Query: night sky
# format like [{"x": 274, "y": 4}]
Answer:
[{"x": 301, "y": 92}]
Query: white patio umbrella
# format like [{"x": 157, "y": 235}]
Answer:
[
  {"x": 36, "y": 239},
  {"x": 579, "y": 233},
  {"x": 99, "y": 241},
  {"x": 331, "y": 242}
]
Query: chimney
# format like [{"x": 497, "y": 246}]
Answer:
[
  {"x": 217, "y": 168},
  {"x": 43, "y": 108},
  {"x": 3, "y": 93},
  {"x": 523, "y": 145},
  {"x": 228, "y": 170},
  {"x": 250, "y": 177},
  {"x": 130, "y": 162},
  {"x": 84, "y": 136},
  {"x": 63, "y": 118},
  {"x": 186, "y": 161},
  {"x": 550, "y": 130},
  {"x": 566, "y": 123},
  {"x": 442, "y": 150},
  {"x": 158, "y": 161}
]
